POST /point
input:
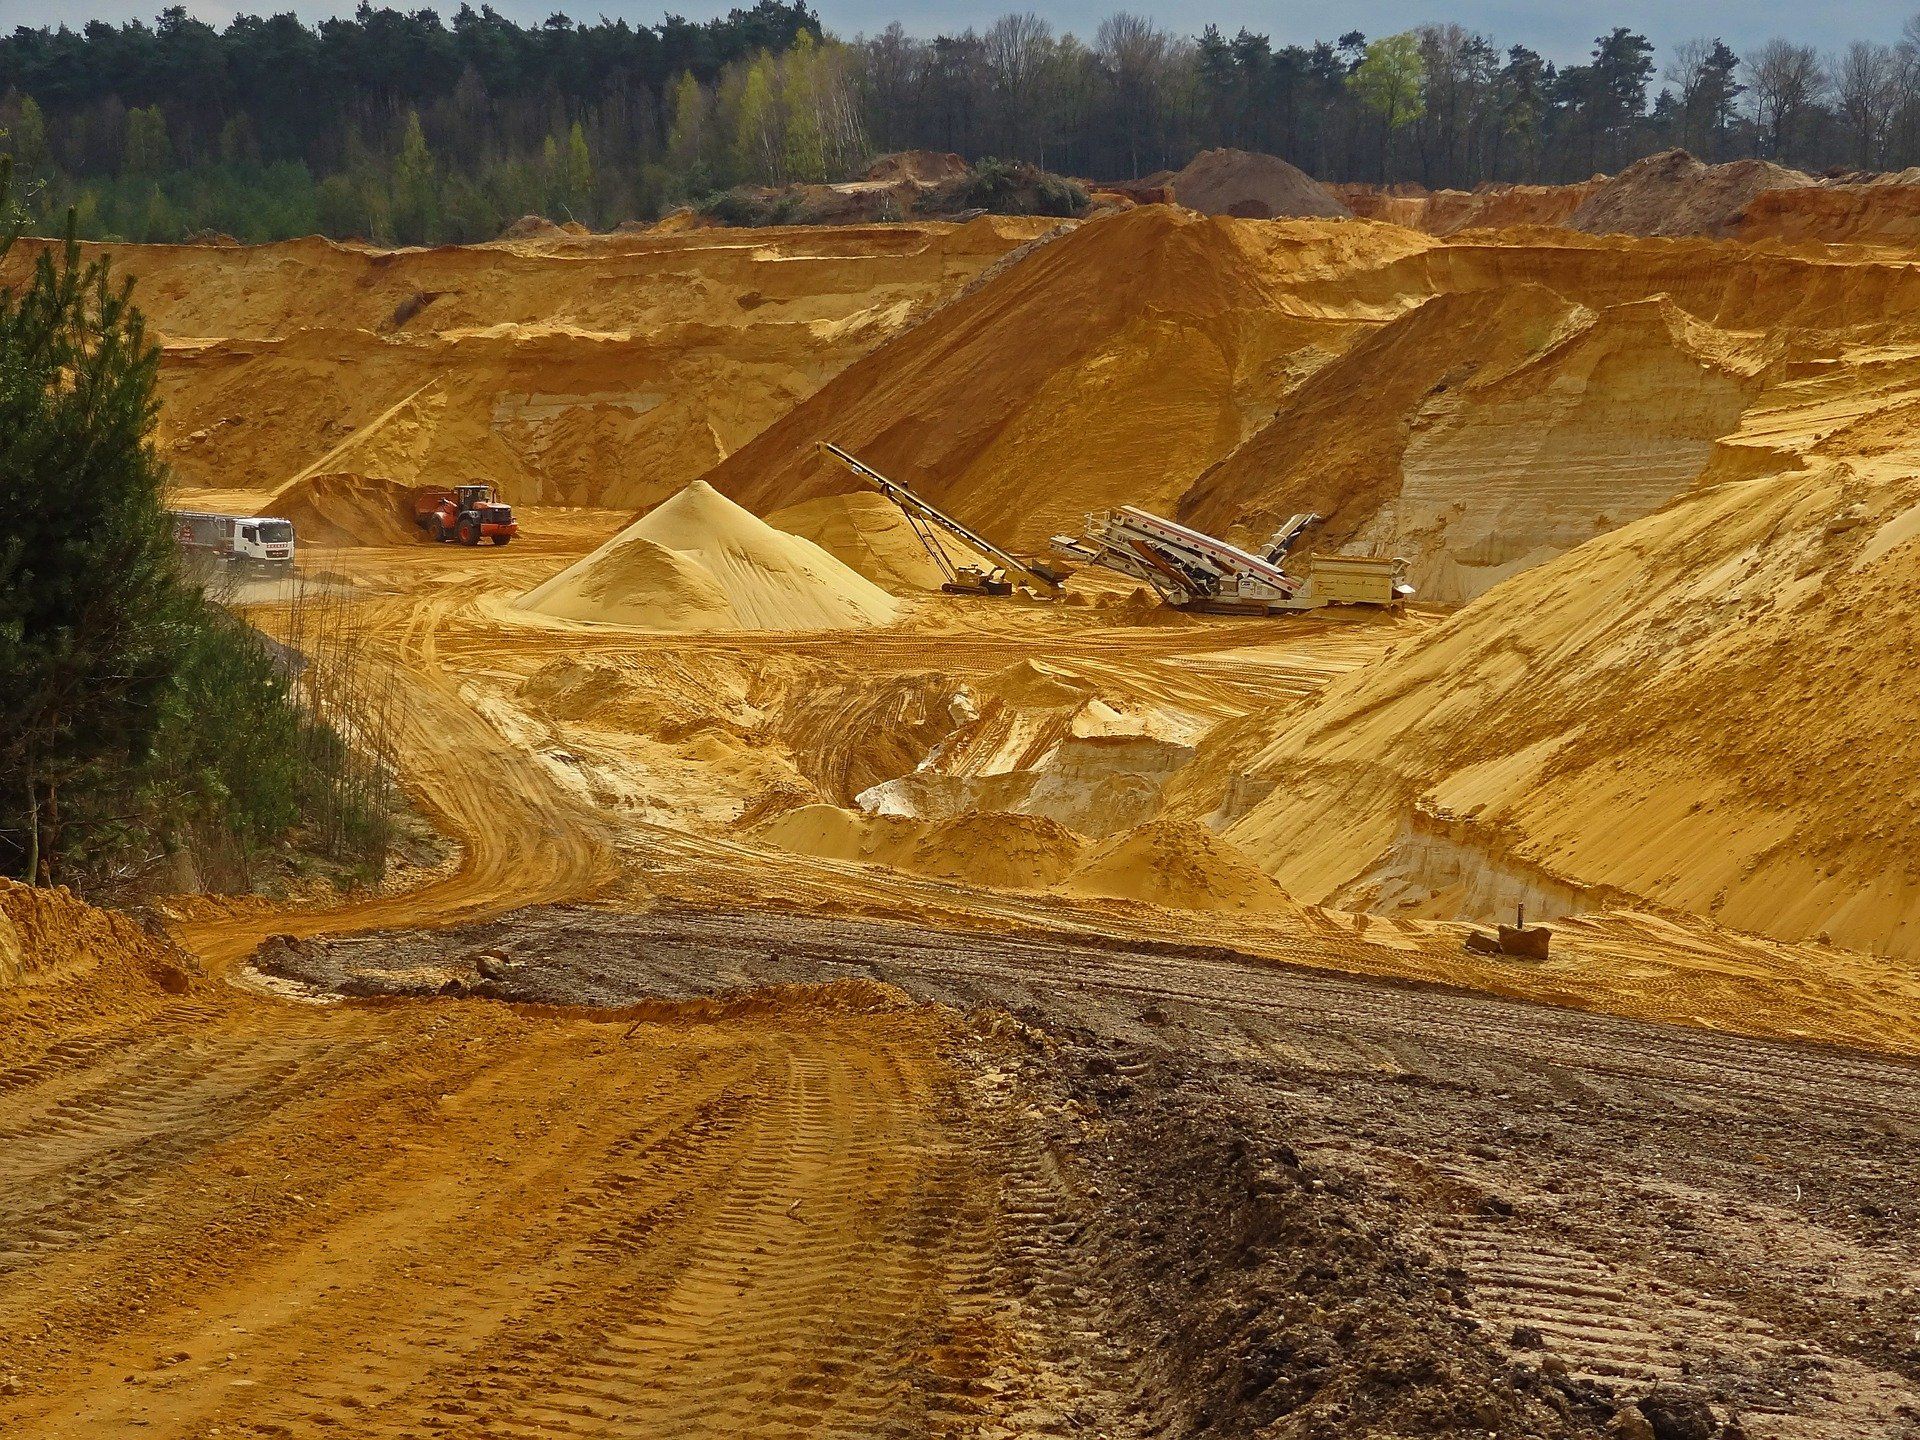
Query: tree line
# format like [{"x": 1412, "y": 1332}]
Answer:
[{"x": 402, "y": 127}]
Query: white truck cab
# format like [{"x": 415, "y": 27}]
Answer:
[{"x": 260, "y": 539}]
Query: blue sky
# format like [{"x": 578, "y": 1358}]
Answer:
[{"x": 1561, "y": 29}]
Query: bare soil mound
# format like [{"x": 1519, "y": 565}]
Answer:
[
  {"x": 1674, "y": 194},
  {"x": 52, "y": 941},
  {"x": 1252, "y": 186},
  {"x": 532, "y": 227},
  {"x": 699, "y": 562},
  {"x": 922, "y": 167},
  {"x": 344, "y": 509},
  {"x": 1176, "y": 865},
  {"x": 866, "y": 532},
  {"x": 1003, "y": 850},
  {"x": 1180, "y": 866}
]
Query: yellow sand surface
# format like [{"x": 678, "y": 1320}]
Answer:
[{"x": 700, "y": 562}]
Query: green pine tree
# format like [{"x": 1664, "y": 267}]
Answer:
[
  {"x": 87, "y": 569},
  {"x": 415, "y": 191},
  {"x": 579, "y": 176},
  {"x": 26, "y": 141},
  {"x": 147, "y": 150}
]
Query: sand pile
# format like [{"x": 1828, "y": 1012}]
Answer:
[
  {"x": 1007, "y": 852},
  {"x": 866, "y": 532},
  {"x": 1172, "y": 864},
  {"x": 699, "y": 562},
  {"x": 1252, "y": 186},
  {"x": 1713, "y": 709},
  {"x": 1179, "y": 866},
  {"x": 1052, "y": 390},
  {"x": 347, "y": 509},
  {"x": 1674, "y": 194}
]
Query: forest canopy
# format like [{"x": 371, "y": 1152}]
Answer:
[{"x": 400, "y": 126}]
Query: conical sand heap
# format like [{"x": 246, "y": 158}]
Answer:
[{"x": 700, "y": 562}]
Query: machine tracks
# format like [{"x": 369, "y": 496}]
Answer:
[
  {"x": 450, "y": 1219},
  {"x": 1643, "y": 1203}
]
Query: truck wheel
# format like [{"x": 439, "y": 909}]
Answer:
[
  {"x": 469, "y": 533},
  {"x": 501, "y": 539}
]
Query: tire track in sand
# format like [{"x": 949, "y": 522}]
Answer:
[{"x": 455, "y": 1219}]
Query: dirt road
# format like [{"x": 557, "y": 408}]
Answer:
[
  {"x": 1622, "y": 1205},
  {"x": 451, "y": 1218}
]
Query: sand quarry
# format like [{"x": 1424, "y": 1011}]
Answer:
[{"x": 858, "y": 1009}]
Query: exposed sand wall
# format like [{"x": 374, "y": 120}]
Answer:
[
  {"x": 1710, "y": 709},
  {"x": 582, "y": 370}
]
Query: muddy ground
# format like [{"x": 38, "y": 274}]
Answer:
[{"x": 1245, "y": 1199}]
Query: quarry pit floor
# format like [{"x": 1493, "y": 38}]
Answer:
[
  {"x": 623, "y": 1123},
  {"x": 580, "y": 1171}
]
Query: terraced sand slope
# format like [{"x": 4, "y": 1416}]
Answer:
[
  {"x": 605, "y": 370},
  {"x": 1477, "y": 405},
  {"x": 1503, "y": 426},
  {"x": 1713, "y": 709}
]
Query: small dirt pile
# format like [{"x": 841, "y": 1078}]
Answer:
[
  {"x": 1005, "y": 187},
  {"x": 61, "y": 958},
  {"x": 919, "y": 167},
  {"x": 532, "y": 227},
  {"x": 1252, "y": 186},
  {"x": 1175, "y": 865},
  {"x": 1674, "y": 194},
  {"x": 344, "y": 509},
  {"x": 699, "y": 562},
  {"x": 1180, "y": 866},
  {"x": 867, "y": 533},
  {"x": 1003, "y": 851}
]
